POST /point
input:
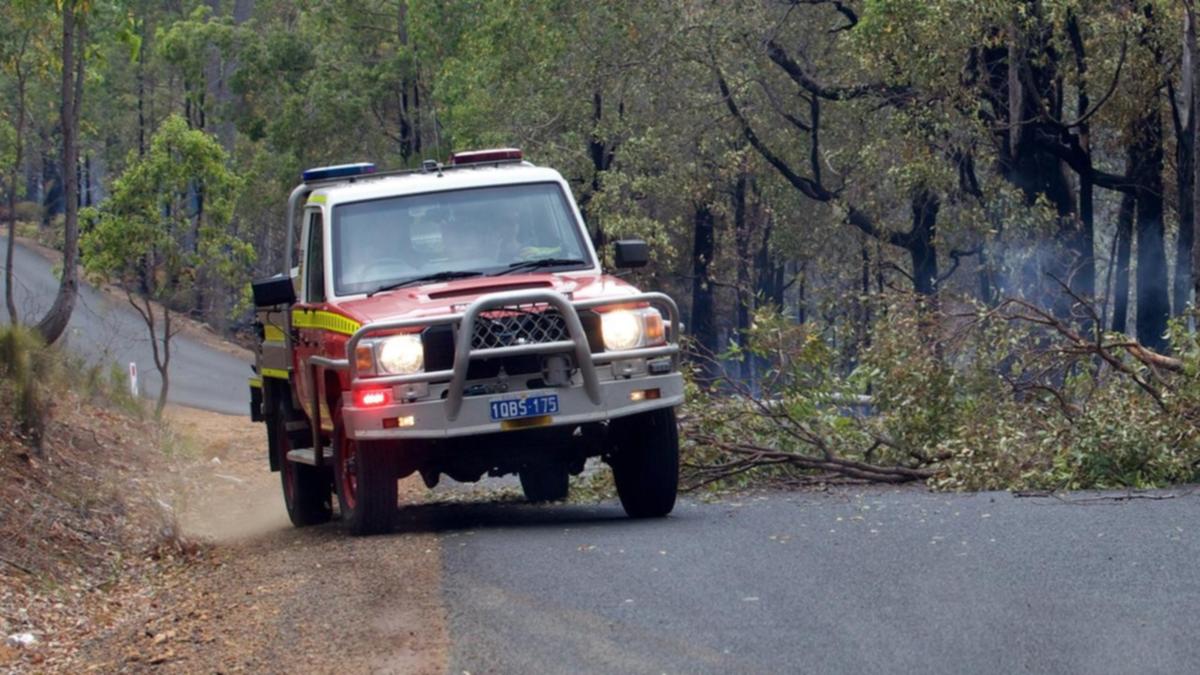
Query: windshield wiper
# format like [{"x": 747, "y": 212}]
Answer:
[
  {"x": 540, "y": 262},
  {"x": 436, "y": 276}
]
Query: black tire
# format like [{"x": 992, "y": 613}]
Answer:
[
  {"x": 545, "y": 482},
  {"x": 645, "y": 462},
  {"x": 365, "y": 474},
  {"x": 307, "y": 492}
]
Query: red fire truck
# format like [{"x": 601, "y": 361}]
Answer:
[{"x": 455, "y": 319}]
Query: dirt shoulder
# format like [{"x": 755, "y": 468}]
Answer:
[
  {"x": 127, "y": 547},
  {"x": 270, "y": 598},
  {"x": 83, "y": 528}
]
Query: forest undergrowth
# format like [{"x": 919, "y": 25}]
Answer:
[{"x": 961, "y": 397}]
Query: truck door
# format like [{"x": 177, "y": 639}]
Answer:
[{"x": 308, "y": 337}]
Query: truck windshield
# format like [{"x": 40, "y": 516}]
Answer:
[{"x": 486, "y": 230}]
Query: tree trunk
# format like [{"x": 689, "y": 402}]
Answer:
[
  {"x": 1182, "y": 283},
  {"x": 18, "y": 159},
  {"x": 163, "y": 364},
  {"x": 920, "y": 242},
  {"x": 52, "y": 181},
  {"x": 1124, "y": 243},
  {"x": 1193, "y": 73},
  {"x": 1153, "y": 299},
  {"x": 801, "y": 292},
  {"x": 1023, "y": 79},
  {"x": 704, "y": 243},
  {"x": 601, "y": 154},
  {"x": 862, "y": 339},
  {"x": 743, "y": 231},
  {"x": 141, "y": 91},
  {"x": 1185, "y": 121},
  {"x": 54, "y": 324}
]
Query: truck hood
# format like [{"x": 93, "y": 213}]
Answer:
[{"x": 440, "y": 298}]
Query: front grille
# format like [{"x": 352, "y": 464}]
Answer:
[{"x": 518, "y": 327}]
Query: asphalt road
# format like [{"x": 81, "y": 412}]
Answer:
[
  {"x": 874, "y": 581},
  {"x": 851, "y": 581},
  {"x": 107, "y": 331}
]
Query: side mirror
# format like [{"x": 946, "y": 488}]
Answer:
[
  {"x": 631, "y": 253},
  {"x": 273, "y": 291}
]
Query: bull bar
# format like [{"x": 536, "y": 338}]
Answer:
[{"x": 586, "y": 361}]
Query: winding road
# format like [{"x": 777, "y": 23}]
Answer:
[
  {"x": 873, "y": 580},
  {"x": 107, "y": 331}
]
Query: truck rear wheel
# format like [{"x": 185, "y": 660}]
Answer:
[
  {"x": 545, "y": 482},
  {"x": 366, "y": 476},
  {"x": 306, "y": 489},
  {"x": 645, "y": 462}
]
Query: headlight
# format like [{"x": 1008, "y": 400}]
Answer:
[
  {"x": 401, "y": 354},
  {"x": 631, "y": 328}
]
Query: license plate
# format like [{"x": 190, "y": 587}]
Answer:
[{"x": 530, "y": 406}]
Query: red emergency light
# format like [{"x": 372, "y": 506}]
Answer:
[
  {"x": 482, "y": 156},
  {"x": 372, "y": 398}
]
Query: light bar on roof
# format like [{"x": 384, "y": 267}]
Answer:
[
  {"x": 481, "y": 156},
  {"x": 337, "y": 171}
]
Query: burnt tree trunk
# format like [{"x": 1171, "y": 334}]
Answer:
[
  {"x": 1182, "y": 283},
  {"x": 802, "y": 296},
  {"x": 704, "y": 328},
  {"x": 601, "y": 153},
  {"x": 1193, "y": 75},
  {"x": 1153, "y": 303},
  {"x": 743, "y": 232},
  {"x": 1123, "y": 244},
  {"x": 1023, "y": 85},
  {"x": 920, "y": 243},
  {"x": 1185, "y": 121}
]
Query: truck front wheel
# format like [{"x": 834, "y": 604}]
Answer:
[
  {"x": 366, "y": 476},
  {"x": 306, "y": 489},
  {"x": 644, "y": 454}
]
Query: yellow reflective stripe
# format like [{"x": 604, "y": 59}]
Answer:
[
  {"x": 276, "y": 373},
  {"x": 256, "y": 382},
  {"x": 272, "y": 333},
  {"x": 322, "y": 320},
  {"x": 316, "y": 199}
]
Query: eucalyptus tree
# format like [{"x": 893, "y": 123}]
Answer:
[
  {"x": 796, "y": 106},
  {"x": 23, "y": 51},
  {"x": 73, "y": 50},
  {"x": 138, "y": 237}
]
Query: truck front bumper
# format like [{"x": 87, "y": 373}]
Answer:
[
  {"x": 597, "y": 391},
  {"x": 429, "y": 419}
]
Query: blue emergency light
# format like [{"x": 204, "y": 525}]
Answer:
[{"x": 337, "y": 171}]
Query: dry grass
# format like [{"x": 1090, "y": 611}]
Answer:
[
  {"x": 83, "y": 522},
  {"x": 126, "y": 546},
  {"x": 82, "y": 528}
]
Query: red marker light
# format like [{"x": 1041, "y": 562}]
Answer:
[
  {"x": 372, "y": 398},
  {"x": 481, "y": 156}
]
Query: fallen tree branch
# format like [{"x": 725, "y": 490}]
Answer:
[{"x": 829, "y": 463}]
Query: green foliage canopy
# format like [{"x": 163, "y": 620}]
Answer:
[{"x": 150, "y": 232}]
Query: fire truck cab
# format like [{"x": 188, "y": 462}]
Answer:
[{"x": 456, "y": 320}]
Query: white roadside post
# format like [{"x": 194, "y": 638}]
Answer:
[{"x": 133, "y": 384}]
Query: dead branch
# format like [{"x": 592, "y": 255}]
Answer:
[
  {"x": 844, "y": 467},
  {"x": 1077, "y": 344}
]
